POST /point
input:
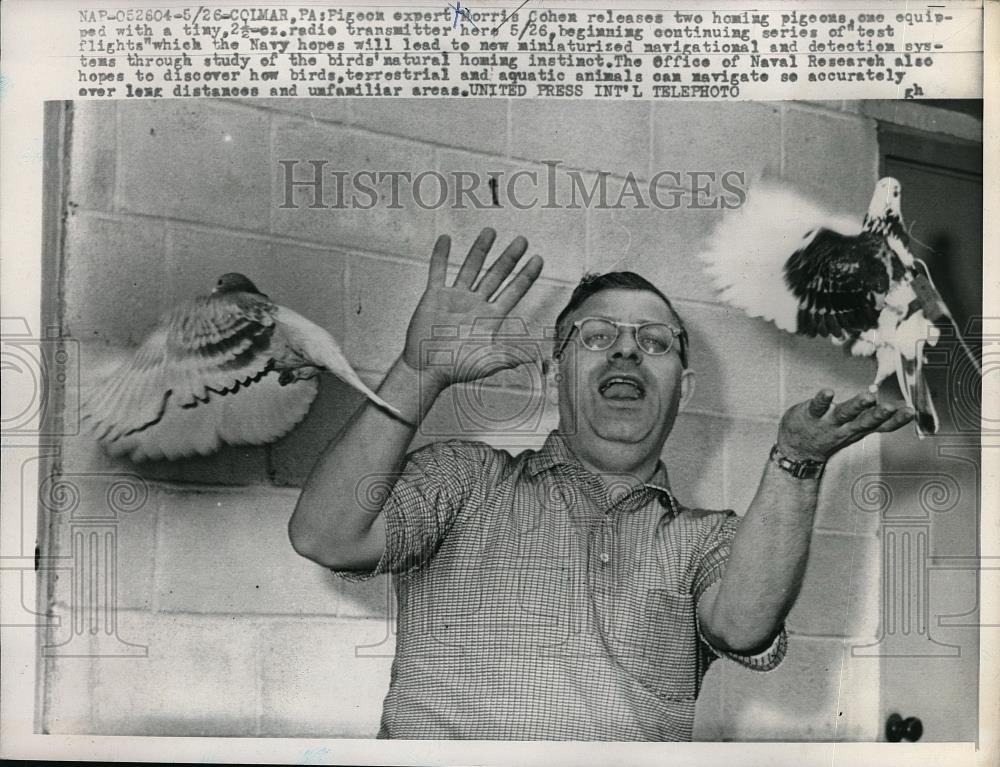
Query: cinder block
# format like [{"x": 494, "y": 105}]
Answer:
[
  {"x": 933, "y": 479},
  {"x": 325, "y": 679},
  {"x": 843, "y": 489},
  {"x": 113, "y": 510},
  {"x": 734, "y": 358},
  {"x": 693, "y": 456},
  {"x": 228, "y": 552},
  {"x": 840, "y": 592},
  {"x": 293, "y": 456},
  {"x": 113, "y": 257},
  {"x": 470, "y": 123},
  {"x": 611, "y": 136},
  {"x": 656, "y": 243},
  {"x": 198, "y": 678},
  {"x": 716, "y": 136},
  {"x": 196, "y": 258},
  {"x": 92, "y": 179},
  {"x": 195, "y": 161},
  {"x": 385, "y": 224},
  {"x": 818, "y": 693},
  {"x": 69, "y": 691},
  {"x": 537, "y": 204},
  {"x": 380, "y": 298},
  {"x": 747, "y": 446},
  {"x": 811, "y": 364},
  {"x": 833, "y": 158}
]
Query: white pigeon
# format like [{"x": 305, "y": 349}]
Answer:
[
  {"x": 232, "y": 367},
  {"x": 785, "y": 258}
]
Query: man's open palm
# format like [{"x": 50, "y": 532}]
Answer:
[
  {"x": 816, "y": 429},
  {"x": 451, "y": 337}
]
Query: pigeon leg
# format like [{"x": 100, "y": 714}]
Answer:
[{"x": 887, "y": 359}]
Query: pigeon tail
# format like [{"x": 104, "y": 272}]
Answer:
[
  {"x": 320, "y": 348},
  {"x": 917, "y": 393}
]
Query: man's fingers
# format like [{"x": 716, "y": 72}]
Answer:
[
  {"x": 514, "y": 292},
  {"x": 819, "y": 404},
  {"x": 502, "y": 267},
  {"x": 900, "y": 418},
  {"x": 439, "y": 261},
  {"x": 474, "y": 261},
  {"x": 873, "y": 419},
  {"x": 850, "y": 409}
]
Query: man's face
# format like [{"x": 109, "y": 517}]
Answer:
[{"x": 620, "y": 404}]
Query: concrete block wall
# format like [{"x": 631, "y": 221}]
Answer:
[{"x": 242, "y": 637}]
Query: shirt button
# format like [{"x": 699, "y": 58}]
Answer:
[{"x": 605, "y": 558}]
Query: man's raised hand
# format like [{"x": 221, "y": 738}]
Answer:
[
  {"x": 441, "y": 329},
  {"x": 813, "y": 430}
]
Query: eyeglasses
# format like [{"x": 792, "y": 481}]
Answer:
[{"x": 599, "y": 334}]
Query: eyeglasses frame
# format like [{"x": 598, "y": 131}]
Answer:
[{"x": 677, "y": 333}]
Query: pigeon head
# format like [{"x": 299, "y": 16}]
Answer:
[
  {"x": 234, "y": 282},
  {"x": 886, "y": 200}
]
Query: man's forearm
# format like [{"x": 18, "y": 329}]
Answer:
[
  {"x": 331, "y": 525},
  {"x": 766, "y": 562}
]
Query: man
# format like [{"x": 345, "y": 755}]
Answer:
[{"x": 564, "y": 593}]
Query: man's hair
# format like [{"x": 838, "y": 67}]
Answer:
[{"x": 595, "y": 283}]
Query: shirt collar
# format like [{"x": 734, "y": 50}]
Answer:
[{"x": 556, "y": 452}]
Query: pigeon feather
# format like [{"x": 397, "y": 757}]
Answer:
[
  {"x": 229, "y": 368},
  {"x": 746, "y": 254},
  {"x": 787, "y": 259}
]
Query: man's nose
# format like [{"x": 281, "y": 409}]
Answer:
[{"x": 625, "y": 347}]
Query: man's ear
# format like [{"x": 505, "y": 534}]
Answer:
[
  {"x": 551, "y": 376},
  {"x": 687, "y": 388}
]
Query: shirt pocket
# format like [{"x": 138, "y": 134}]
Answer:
[{"x": 667, "y": 660}]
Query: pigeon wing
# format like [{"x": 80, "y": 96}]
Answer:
[
  {"x": 204, "y": 376},
  {"x": 746, "y": 253},
  {"x": 839, "y": 282}
]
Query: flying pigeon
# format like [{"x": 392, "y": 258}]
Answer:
[
  {"x": 231, "y": 367},
  {"x": 786, "y": 259}
]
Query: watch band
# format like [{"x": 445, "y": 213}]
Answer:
[{"x": 798, "y": 469}]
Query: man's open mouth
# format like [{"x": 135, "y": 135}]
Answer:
[{"x": 622, "y": 388}]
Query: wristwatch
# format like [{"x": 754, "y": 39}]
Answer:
[{"x": 798, "y": 469}]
